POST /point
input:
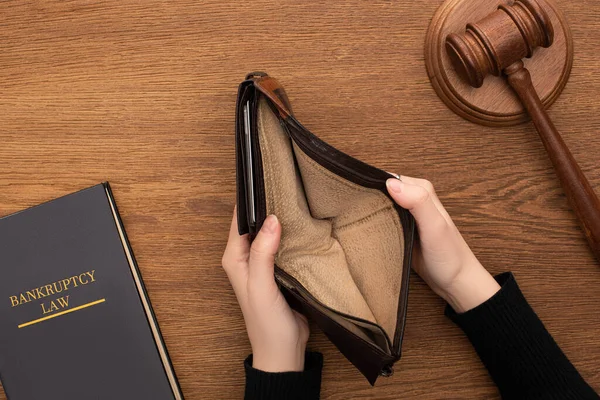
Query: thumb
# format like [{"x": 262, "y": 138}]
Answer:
[
  {"x": 418, "y": 200},
  {"x": 263, "y": 250}
]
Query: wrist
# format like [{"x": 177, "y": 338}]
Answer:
[
  {"x": 277, "y": 360},
  {"x": 472, "y": 287}
]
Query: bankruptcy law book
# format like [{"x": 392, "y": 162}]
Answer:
[{"x": 75, "y": 320}]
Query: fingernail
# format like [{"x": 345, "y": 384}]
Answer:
[
  {"x": 270, "y": 224},
  {"x": 394, "y": 185}
]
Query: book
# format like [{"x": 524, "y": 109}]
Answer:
[{"x": 76, "y": 322}]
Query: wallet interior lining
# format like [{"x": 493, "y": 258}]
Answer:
[{"x": 343, "y": 242}]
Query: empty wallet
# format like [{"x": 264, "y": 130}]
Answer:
[{"x": 346, "y": 246}]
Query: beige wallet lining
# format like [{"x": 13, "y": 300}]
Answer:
[{"x": 343, "y": 242}]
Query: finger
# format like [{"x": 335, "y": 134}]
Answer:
[
  {"x": 419, "y": 202},
  {"x": 235, "y": 258},
  {"x": 262, "y": 254},
  {"x": 238, "y": 245},
  {"x": 430, "y": 188}
]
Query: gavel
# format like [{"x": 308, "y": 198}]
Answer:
[{"x": 496, "y": 45}]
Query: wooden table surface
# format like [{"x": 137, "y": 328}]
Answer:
[{"x": 142, "y": 94}]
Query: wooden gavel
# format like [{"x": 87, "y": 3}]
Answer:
[{"x": 497, "y": 44}]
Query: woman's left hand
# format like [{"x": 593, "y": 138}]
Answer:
[{"x": 278, "y": 334}]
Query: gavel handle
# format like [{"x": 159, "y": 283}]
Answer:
[{"x": 577, "y": 188}]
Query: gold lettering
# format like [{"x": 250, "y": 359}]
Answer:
[
  {"x": 63, "y": 301},
  {"x": 53, "y": 289},
  {"x": 82, "y": 281},
  {"x": 59, "y": 286},
  {"x": 49, "y": 290},
  {"x": 55, "y": 305}
]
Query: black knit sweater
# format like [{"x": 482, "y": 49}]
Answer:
[{"x": 519, "y": 353}]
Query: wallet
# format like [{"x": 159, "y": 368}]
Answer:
[{"x": 345, "y": 254}]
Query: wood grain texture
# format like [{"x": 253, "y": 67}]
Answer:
[{"x": 142, "y": 93}]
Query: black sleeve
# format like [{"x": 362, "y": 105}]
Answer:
[
  {"x": 519, "y": 353},
  {"x": 305, "y": 385}
]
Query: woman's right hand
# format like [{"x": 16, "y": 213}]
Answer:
[{"x": 442, "y": 258}]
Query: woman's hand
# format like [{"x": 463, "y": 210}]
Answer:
[
  {"x": 442, "y": 258},
  {"x": 278, "y": 334}
]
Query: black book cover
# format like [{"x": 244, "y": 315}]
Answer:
[{"x": 75, "y": 320}]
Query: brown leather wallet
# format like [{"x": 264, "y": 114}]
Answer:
[{"x": 345, "y": 254}]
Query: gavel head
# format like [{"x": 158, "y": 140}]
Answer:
[{"x": 502, "y": 38}]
